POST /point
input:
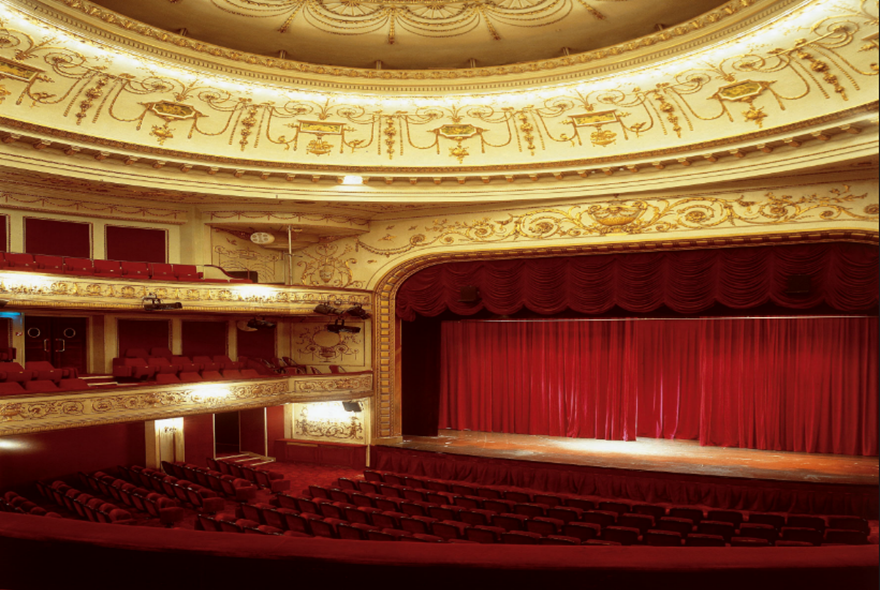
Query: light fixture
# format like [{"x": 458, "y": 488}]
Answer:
[
  {"x": 327, "y": 310},
  {"x": 351, "y": 179},
  {"x": 352, "y": 406},
  {"x": 261, "y": 324},
  {"x": 153, "y": 303},
  {"x": 358, "y": 312},
  {"x": 339, "y": 327}
]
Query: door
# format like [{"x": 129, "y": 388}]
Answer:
[
  {"x": 227, "y": 438},
  {"x": 61, "y": 341}
]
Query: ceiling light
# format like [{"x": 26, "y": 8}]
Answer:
[{"x": 348, "y": 179}]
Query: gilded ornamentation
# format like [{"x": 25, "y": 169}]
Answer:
[
  {"x": 692, "y": 97},
  {"x": 306, "y": 426},
  {"x": 232, "y": 256},
  {"x": 319, "y": 345},
  {"x": 327, "y": 266},
  {"x": 641, "y": 216},
  {"x": 38, "y": 412}
]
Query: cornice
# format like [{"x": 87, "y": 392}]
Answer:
[
  {"x": 727, "y": 20},
  {"x": 25, "y": 414}
]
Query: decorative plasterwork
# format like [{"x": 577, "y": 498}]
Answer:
[
  {"x": 37, "y": 290},
  {"x": 310, "y": 423},
  {"x": 809, "y": 61},
  {"x": 726, "y": 19},
  {"x": 37, "y": 413},
  {"x": 387, "y": 415}
]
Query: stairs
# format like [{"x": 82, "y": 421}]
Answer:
[{"x": 248, "y": 458}]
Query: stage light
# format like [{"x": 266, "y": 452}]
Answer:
[
  {"x": 327, "y": 310},
  {"x": 352, "y": 406},
  {"x": 358, "y": 312},
  {"x": 339, "y": 327},
  {"x": 153, "y": 303},
  {"x": 258, "y": 324}
]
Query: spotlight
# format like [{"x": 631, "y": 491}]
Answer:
[
  {"x": 153, "y": 303},
  {"x": 339, "y": 327},
  {"x": 327, "y": 310},
  {"x": 358, "y": 312},
  {"x": 258, "y": 324}
]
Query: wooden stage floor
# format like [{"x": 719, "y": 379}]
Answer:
[{"x": 650, "y": 454}]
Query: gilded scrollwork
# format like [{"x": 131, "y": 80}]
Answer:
[
  {"x": 315, "y": 344},
  {"x": 642, "y": 216},
  {"x": 333, "y": 428},
  {"x": 686, "y": 100},
  {"x": 329, "y": 266}
]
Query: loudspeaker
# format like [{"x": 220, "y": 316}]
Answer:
[
  {"x": 798, "y": 285},
  {"x": 468, "y": 294},
  {"x": 351, "y": 406}
]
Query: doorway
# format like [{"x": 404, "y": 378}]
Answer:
[
  {"x": 227, "y": 434},
  {"x": 60, "y": 341}
]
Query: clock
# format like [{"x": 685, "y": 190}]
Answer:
[{"x": 262, "y": 238}]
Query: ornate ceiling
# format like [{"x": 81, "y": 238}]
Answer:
[
  {"x": 748, "y": 89},
  {"x": 413, "y": 34}
]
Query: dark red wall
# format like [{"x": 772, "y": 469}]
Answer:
[
  {"x": 4, "y": 233},
  {"x": 259, "y": 344},
  {"x": 61, "y": 453},
  {"x": 136, "y": 244},
  {"x": 204, "y": 338},
  {"x": 5, "y": 332},
  {"x": 253, "y": 430},
  {"x": 143, "y": 334},
  {"x": 198, "y": 438},
  {"x": 274, "y": 425},
  {"x": 57, "y": 238}
]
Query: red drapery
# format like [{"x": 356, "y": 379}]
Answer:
[
  {"x": 793, "y": 384},
  {"x": 844, "y": 276}
]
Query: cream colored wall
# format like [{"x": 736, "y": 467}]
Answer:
[{"x": 235, "y": 252}]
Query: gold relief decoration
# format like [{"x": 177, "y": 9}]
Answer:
[
  {"x": 32, "y": 289},
  {"x": 642, "y": 216},
  {"x": 328, "y": 266},
  {"x": 318, "y": 345},
  {"x": 691, "y": 100},
  {"x": 306, "y": 425},
  {"x": 232, "y": 256},
  {"x": 36, "y": 413}
]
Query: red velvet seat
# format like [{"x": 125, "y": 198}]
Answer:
[
  {"x": 135, "y": 270},
  {"x": 189, "y": 377},
  {"x": 448, "y": 529},
  {"x": 41, "y": 386},
  {"x": 621, "y": 534},
  {"x": 758, "y": 531},
  {"x": 43, "y": 370},
  {"x": 484, "y": 534},
  {"x": 79, "y": 266},
  {"x": 701, "y": 540},
  {"x": 183, "y": 364},
  {"x": 520, "y": 538},
  {"x": 518, "y": 496},
  {"x": 51, "y": 264},
  {"x": 476, "y": 517},
  {"x": 550, "y": 500},
  {"x": 845, "y": 537},
  {"x": 499, "y": 506},
  {"x": 509, "y": 522},
  {"x": 801, "y": 534},
  {"x": 162, "y": 365},
  {"x": 805, "y": 521},
  {"x": 581, "y": 530},
  {"x": 543, "y": 525},
  {"x": 530, "y": 510},
  {"x": 73, "y": 384},
  {"x": 108, "y": 268},
  {"x": 600, "y": 517},
  {"x": 249, "y": 374},
  {"x": 695, "y": 515},
  {"x": 19, "y": 261},
  {"x": 559, "y": 540},
  {"x": 717, "y": 527},
  {"x": 161, "y": 352},
  {"x": 162, "y": 272},
  {"x": 579, "y": 503},
  {"x": 852, "y": 523},
  {"x": 166, "y": 378},
  {"x": 657, "y": 512},
  {"x": 618, "y": 507},
  {"x": 132, "y": 368},
  {"x": 15, "y": 372},
  {"x": 658, "y": 538},
  {"x": 643, "y": 522},
  {"x": 224, "y": 362},
  {"x": 683, "y": 526},
  {"x": 734, "y": 517},
  {"x": 230, "y": 374},
  {"x": 186, "y": 272},
  {"x": 748, "y": 542}
]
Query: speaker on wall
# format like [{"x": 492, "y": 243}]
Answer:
[
  {"x": 468, "y": 294},
  {"x": 798, "y": 285}
]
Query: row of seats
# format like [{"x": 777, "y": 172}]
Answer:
[
  {"x": 42, "y": 386},
  {"x": 85, "y": 505},
  {"x": 159, "y": 506},
  {"x": 35, "y": 371},
  {"x": 106, "y": 268},
  {"x": 230, "y": 523},
  {"x": 208, "y": 484},
  {"x": 179, "y": 369},
  {"x": 15, "y": 502},
  {"x": 584, "y": 518},
  {"x": 264, "y": 478}
]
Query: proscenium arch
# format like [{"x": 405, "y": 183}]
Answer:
[{"x": 386, "y": 417}]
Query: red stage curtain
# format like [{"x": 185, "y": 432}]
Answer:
[
  {"x": 845, "y": 276},
  {"x": 794, "y": 384}
]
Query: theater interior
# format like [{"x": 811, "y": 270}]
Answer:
[{"x": 634, "y": 344}]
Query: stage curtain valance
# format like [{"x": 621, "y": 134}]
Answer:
[{"x": 842, "y": 275}]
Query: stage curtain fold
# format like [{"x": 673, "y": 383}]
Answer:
[
  {"x": 806, "y": 384},
  {"x": 842, "y": 275}
]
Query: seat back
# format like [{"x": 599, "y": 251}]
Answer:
[
  {"x": 162, "y": 272},
  {"x": 19, "y": 261},
  {"x": 41, "y": 386},
  {"x": 49, "y": 263},
  {"x": 74, "y": 266},
  {"x": 108, "y": 267},
  {"x": 135, "y": 269}
]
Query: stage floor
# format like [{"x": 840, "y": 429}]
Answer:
[{"x": 650, "y": 454}]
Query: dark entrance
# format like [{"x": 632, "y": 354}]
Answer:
[
  {"x": 61, "y": 341},
  {"x": 227, "y": 438}
]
